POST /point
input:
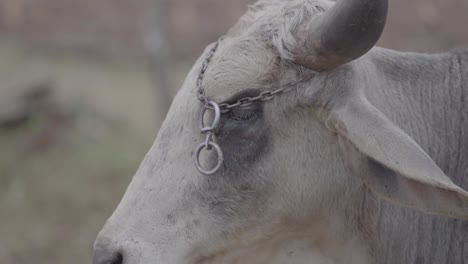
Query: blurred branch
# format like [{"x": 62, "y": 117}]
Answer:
[{"x": 157, "y": 45}]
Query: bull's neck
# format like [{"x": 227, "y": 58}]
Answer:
[
  {"x": 415, "y": 81},
  {"x": 426, "y": 96}
]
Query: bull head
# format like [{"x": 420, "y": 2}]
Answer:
[{"x": 300, "y": 171}]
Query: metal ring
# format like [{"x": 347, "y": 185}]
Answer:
[
  {"x": 217, "y": 117},
  {"x": 220, "y": 158}
]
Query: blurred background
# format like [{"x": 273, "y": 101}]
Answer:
[{"x": 84, "y": 86}]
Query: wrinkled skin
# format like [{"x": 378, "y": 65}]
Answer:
[{"x": 298, "y": 169}]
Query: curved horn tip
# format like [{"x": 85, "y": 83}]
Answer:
[{"x": 344, "y": 33}]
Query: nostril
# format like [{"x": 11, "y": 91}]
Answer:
[
  {"x": 106, "y": 258},
  {"x": 117, "y": 259}
]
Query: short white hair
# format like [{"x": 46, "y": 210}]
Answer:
[{"x": 278, "y": 19}]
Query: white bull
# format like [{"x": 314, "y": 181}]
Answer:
[{"x": 360, "y": 163}]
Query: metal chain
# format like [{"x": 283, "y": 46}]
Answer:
[
  {"x": 210, "y": 143},
  {"x": 243, "y": 102},
  {"x": 201, "y": 91},
  {"x": 247, "y": 101}
]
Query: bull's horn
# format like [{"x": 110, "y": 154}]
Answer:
[{"x": 342, "y": 34}]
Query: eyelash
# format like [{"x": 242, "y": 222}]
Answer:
[{"x": 241, "y": 115}]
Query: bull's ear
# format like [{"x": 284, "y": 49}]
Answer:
[{"x": 393, "y": 165}]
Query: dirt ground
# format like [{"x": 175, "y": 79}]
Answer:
[{"x": 60, "y": 178}]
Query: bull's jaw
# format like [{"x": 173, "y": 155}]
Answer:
[
  {"x": 325, "y": 243},
  {"x": 294, "y": 251}
]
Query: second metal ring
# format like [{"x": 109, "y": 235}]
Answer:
[{"x": 220, "y": 160}]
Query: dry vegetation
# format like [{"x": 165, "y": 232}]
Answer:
[{"x": 61, "y": 178}]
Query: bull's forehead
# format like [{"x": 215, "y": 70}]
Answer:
[{"x": 239, "y": 65}]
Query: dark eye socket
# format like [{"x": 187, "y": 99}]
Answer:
[{"x": 242, "y": 114}]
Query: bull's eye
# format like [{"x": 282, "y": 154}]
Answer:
[
  {"x": 250, "y": 112},
  {"x": 242, "y": 114}
]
